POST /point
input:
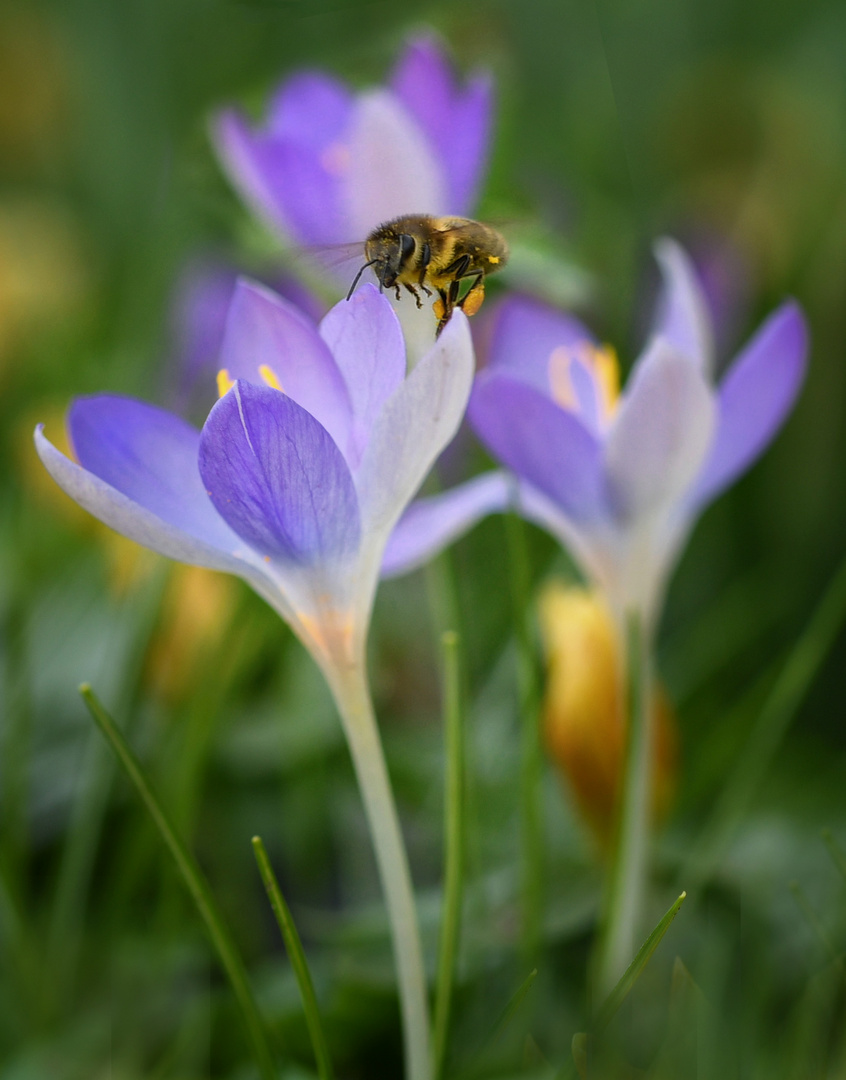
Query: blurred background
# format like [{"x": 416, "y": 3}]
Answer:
[{"x": 719, "y": 123}]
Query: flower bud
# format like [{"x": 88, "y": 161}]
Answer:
[{"x": 584, "y": 712}]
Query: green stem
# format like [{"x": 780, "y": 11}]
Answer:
[
  {"x": 531, "y": 771},
  {"x": 352, "y": 696},
  {"x": 454, "y": 858},
  {"x": 296, "y": 955},
  {"x": 627, "y": 874},
  {"x": 196, "y": 883}
]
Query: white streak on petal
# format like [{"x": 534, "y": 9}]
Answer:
[
  {"x": 417, "y": 422},
  {"x": 661, "y": 433},
  {"x": 391, "y": 169},
  {"x": 683, "y": 317}
]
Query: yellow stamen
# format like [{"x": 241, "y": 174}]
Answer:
[
  {"x": 604, "y": 367},
  {"x": 224, "y": 383},
  {"x": 270, "y": 377}
]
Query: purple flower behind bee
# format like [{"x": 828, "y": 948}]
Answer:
[{"x": 326, "y": 166}]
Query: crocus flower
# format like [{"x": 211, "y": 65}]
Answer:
[
  {"x": 302, "y": 468},
  {"x": 618, "y": 477},
  {"x": 326, "y": 166},
  {"x": 584, "y": 713}
]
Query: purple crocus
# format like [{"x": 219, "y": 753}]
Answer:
[
  {"x": 619, "y": 478},
  {"x": 326, "y": 166},
  {"x": 302, "y": 467}
]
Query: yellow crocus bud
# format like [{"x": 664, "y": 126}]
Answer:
[{"x": 584, "y": 712}]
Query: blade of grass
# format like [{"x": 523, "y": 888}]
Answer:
[
  {"x": 507, "y": 1014},
  {"x": 780, "y": 708},
  {"x": 531, "y": 771},
  {"x": 454, "y": 849},
  {"x": 294, "y": 948},
  {"x": 620, "y": 992},
  {"x": 196, "y": 884}
]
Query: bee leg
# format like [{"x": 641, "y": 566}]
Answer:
[
  {"x": 414, "y": 293},
  {"x": 474, "y": 296},
  {"x": 425, "y": 259},
  {"x": 397, "y": 291},
  {"x": 443, "y": 308},
  {"x": 459, "y": 268}
]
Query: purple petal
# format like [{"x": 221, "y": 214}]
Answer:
[
  {"x": 310, "y": 109},
  {"x": 755, "y": 398},
  {"x": 682, "y": 318},
  {"x": 264, "y": 329},
  {"x": 541, "y": 442},
  {"x": 661, "y": 433},
  {"x": 431, "y": 524},
  {"x": 277, "y": 478},
  {"x": 365, "y": 338},
  {"x": 524, "y": 336},
  {"x": 141, "y": 479},
  {"x": 416, "y": 423},
  {"x": 296, "y": 188},
  {"x": 391, "y": 169},
  {"x": 456, "y": 121},
  {"x": 150, "y": 456}
]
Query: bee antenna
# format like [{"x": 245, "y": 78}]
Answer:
[{"x": 358, "y": 277}]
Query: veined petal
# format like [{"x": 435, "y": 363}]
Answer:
[
  {"x": 755, "y": 398},
  {"x": 198, "y": 536},
  {"x": 391, "y": 169},
  {"x": 417, "y": 422},
  {"x": 263, "y": 329},
  {"x": 524, "y": 336},
  {"x": 660, "y": 434},
  {"x": 431, "y": 524},
  {"x": 311, "y": 109},
  {"x": 150, "y": 456},
  {"x": 542, "y": 443},
  {"x": 277, "y": 478},
  {"x": 682, "y": 318},
  {"x": 365, "y": 338},
  {"x": 455, "y": 120}
]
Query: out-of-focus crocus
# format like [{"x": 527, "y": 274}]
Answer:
[
  {"x": 326, "y": 166},
  {"x": 584, "y": 715},
  {"x": 304, "y": 465},
  {"x": 618, "y": 477}
]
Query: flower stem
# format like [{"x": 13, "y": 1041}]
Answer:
[
  {"x": 454, "y": 844},
  {"x": 531, "y": 764},
  {"x": 627, "y": 874},
  {"x": 352, "y": 695}
]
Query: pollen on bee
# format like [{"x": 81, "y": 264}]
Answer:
[
  {"x": 474, "y": 299},
  {"x": 224, "y": 383},
  {"x": 438, "y": 308},
  {"x": 495, "y": 259}
]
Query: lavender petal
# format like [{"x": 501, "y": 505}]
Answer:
[
  {"x": 660, "y": 434},
  {"x": 277, "y": 478},
  {"x": 683, "y": 319},
  {"x": 431, "y": 524},
  {"x": 542, "y": 443},
  {"x": 264, "y": 329},
  {"x": 755, "y": 398}
]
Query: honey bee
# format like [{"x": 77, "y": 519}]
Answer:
[{"x": 435, "y": 254}]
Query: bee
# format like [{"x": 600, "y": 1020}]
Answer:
[{"x": 435, "y": 254}]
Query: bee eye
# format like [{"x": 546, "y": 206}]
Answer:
[{"x": 407, "y": 246}]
